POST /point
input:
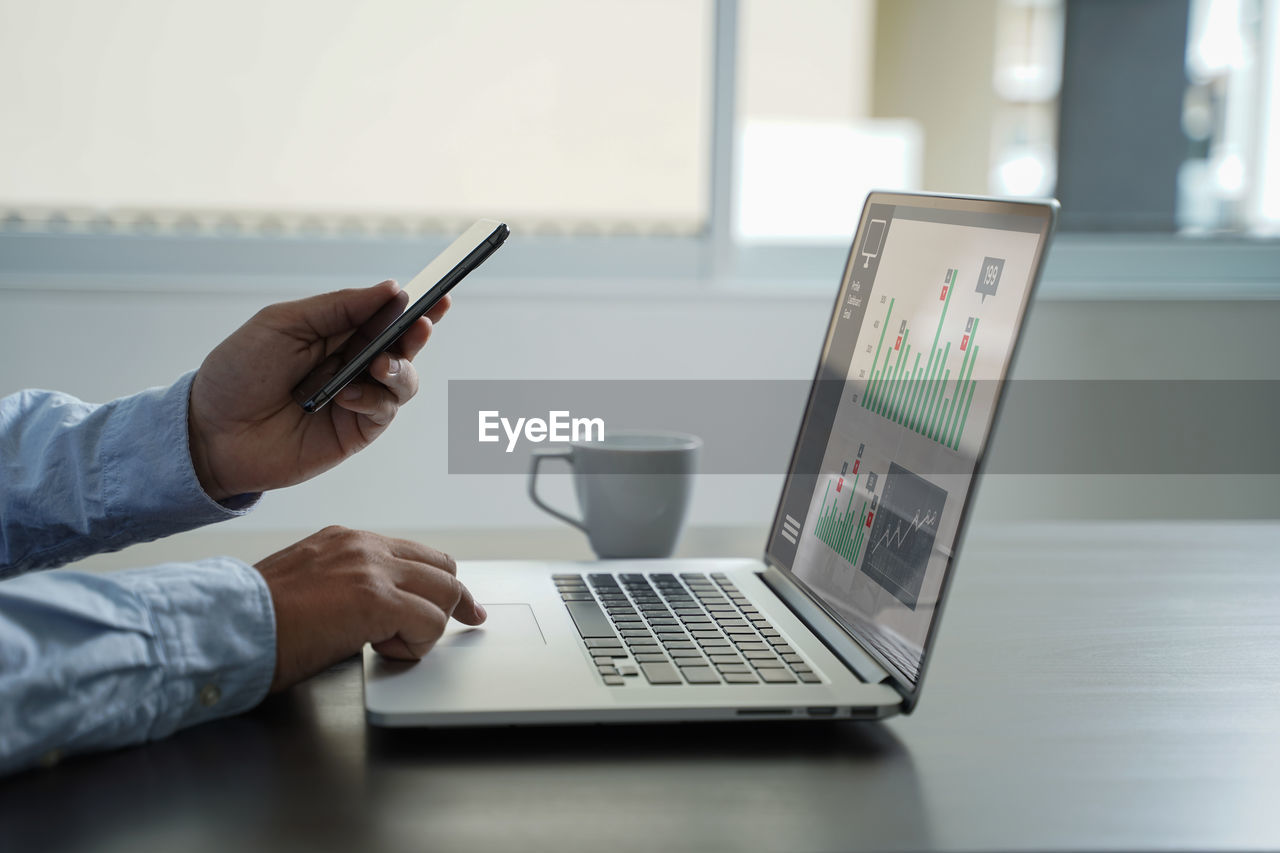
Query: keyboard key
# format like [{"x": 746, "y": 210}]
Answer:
[
  {"x": 660, "y": 673},
  {"x": 604, "y": 644},
  {"x": 684, "y": 663},
  {"x": 682, "y": 645},
  {"x": 700, "y": 675},
  {"x": 752, "y": 646},
  {"x": 577, "y": 596},
  {"x": 768, "y": 664},
  {"x": 734, "y": 668},
  {"x": 776, "y": 676},
  {"x": 783, "y": 649},
  {"x": 807, "y": 677},
  {"x": 684, "y": 653},
  {"x": 645, "y": 648},
  {"x": 628, "y": 671},
  {"x": 608, "y": 670},
  {"x": 793, "y": 659},
  {"x": 707, "y": 635},
  {"x": 589, "y": 619},
  {"x": 614, "y": 680},
  {"x": 759, "y": 655},
  {"x": 651, "y": 657},
  {"x": 738, "y": 677}
]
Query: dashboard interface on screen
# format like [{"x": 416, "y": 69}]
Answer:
[{"x": 930, "y": 307}]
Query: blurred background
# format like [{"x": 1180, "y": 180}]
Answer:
[{"x": 682, "y": 179}]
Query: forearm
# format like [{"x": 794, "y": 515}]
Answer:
[
  {"x": 91, "y": 662},
  {"x": 77, "y": 479}
]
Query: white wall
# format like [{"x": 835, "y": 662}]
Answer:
[{"x": 99, "y": 345}]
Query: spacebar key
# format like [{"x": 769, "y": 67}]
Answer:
[
  {"x": 661, "y": 673},
  {"x": 590, "y": 619}
]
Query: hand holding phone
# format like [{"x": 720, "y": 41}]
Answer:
[{"x": 373, "y": 338}]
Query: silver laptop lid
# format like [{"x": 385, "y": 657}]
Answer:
[{"x": 908, "y": 385}]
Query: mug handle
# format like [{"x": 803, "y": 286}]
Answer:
[{"x": 539, "y": 454}]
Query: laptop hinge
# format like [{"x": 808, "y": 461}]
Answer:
[{"x": 827, "y": 629}]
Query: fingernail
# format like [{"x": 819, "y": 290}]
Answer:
[
  {"x": 480, "y": 611},
  {"x": 393, "y": 365},
  {"x": 351, "y": 393}
]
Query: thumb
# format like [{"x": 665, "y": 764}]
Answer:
[
  {"x": 469, "y": 611},
  {"x": 339, "y": 311}
]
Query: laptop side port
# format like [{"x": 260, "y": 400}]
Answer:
[{"x": 821, "y": 711}]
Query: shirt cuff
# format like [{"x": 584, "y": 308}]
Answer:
[
  {"x": 215, "y": 634},
  {"x": 174, "y": 500}
]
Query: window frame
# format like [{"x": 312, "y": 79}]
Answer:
[{"x": 106, "y": 255}]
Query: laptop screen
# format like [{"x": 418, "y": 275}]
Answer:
[{"x": 932, "y": 299}]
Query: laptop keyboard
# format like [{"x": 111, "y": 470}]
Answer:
[{"x": 665, "y": 629}]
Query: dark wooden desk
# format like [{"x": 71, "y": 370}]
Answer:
[{"x": 1096, "y": 687}]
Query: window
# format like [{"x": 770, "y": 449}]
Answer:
[
  {"x": 393, "y": 115},
  {"x": 693, "y": 141}
]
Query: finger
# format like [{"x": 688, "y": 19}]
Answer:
[
  {"x": 398, "y": 375},
  {"x": 370, "y": 399},
  {"x": 337, "y": 312},
  {"x": 419, "y": 623},
  {"x": 396, "y": 649},
  {"x": 469, "y": 611},
  {"x": 414, "y": 338},
  {"x": 441, "y": 588},
  {"x": 440, "y": 308}
]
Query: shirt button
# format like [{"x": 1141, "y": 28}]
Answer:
[{"x": 209, "y": 695}]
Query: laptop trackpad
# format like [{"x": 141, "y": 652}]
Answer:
[{"x": 507, "y": 625}]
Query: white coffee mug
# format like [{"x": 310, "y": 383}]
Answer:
[{"x": 633, "y": 489}]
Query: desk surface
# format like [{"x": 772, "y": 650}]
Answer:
[{"x": 1130, "y": 698}]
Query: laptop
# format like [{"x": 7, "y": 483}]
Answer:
[{"x": 838, "y": 617}]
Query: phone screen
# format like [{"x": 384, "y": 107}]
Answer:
[{"x": 382, "y": 330}]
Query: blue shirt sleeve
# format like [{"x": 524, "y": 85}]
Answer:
[
  {"x": 77, "y": 479},
  {"x": 94, "y": 661}
]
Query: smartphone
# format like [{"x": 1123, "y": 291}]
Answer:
[{"x": 417, "y": 298}]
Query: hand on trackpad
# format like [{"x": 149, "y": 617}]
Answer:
[{"x": 507, "y": 625}]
